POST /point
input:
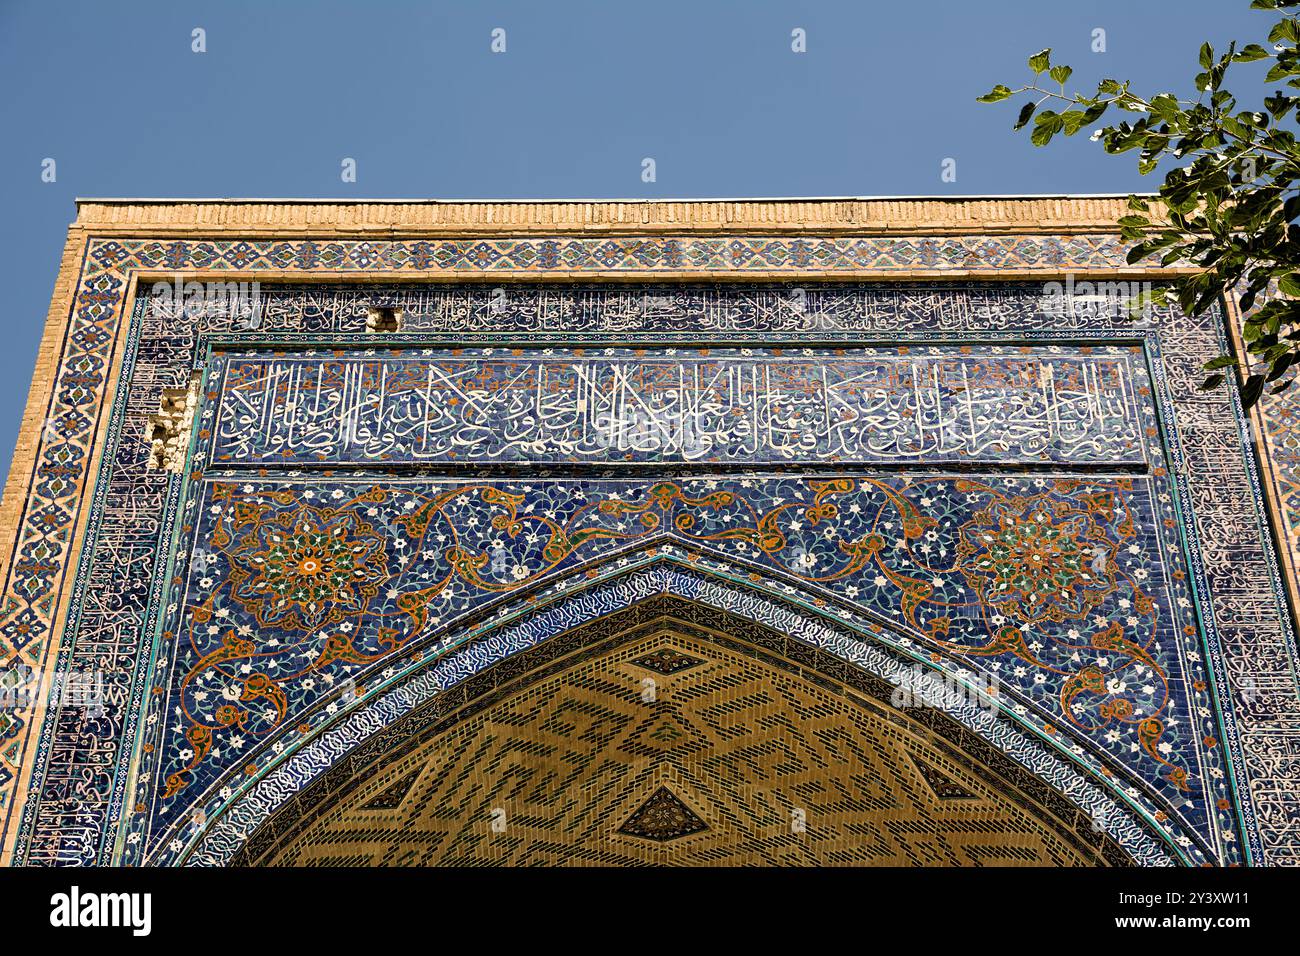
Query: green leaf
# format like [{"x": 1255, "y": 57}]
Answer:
[
  {"x": 1251, "y": 390},
  {"x": 1284, "y": 30},
  {"x": 1061, "y": 73},
  {"x": 995, "y": 95},
  {"x": 1040, "y": 61},
  {"x": 1026, "y": 112},
  {"x": 1279, "y": 72},
  {"x": 1281, "y": 363},
  {"x": 1279, "y": 104},
  {"x": 1094, "y": 113},
  {"x": 1251, "y": 52},
  {"x": 1165, "y": 106},
  {"x": 1074, "y": 120},
  {"x": 1047, "y": 125},
  {"x": 1290, "y": 284},
  {"x": 1286, "y": 66},
  {"x": 1207, "y": 55}
]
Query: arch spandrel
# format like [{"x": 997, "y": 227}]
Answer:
[
  {"x": 413, "y": 560},
  {"x": 537, "y": 634}
]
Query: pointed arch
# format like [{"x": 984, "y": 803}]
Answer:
[{"x": 513, "y": 634}]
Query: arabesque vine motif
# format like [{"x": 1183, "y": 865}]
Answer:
[{"x": 1049, "y": 582}]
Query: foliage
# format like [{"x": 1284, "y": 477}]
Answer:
[{"x": 1230, "y": 198}]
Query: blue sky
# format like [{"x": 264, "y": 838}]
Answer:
[{"x": 583, "y": 93}]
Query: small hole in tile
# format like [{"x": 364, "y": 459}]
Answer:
[
  {"x": 169, "y": 430},
  {"x": 383, "y": 318}
]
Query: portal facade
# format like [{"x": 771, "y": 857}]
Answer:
[{"x": 850, "y": 533}]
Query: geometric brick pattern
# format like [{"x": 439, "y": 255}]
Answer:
[{"x": 762, "y": 767}]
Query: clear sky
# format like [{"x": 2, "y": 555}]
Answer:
[{"x": 710, "y": 89}]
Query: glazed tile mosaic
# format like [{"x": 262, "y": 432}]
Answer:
[
  {"x": 966, "y": 478},
  {"x": 294, "y": 586}
]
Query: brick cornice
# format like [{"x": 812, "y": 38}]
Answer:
[{"x": 912, "y": 217}]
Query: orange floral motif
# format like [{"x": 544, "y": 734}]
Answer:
[
  {"x": 312, "y": 567},
  {"x": 1037, "y": 559}
]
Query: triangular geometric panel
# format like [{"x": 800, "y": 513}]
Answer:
[
  {"x": 667, "y": 660},
  {"x": 663, "y": 817},
  {"x": 391, "y": 798},
  {"x": 944, "y": 787}
]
